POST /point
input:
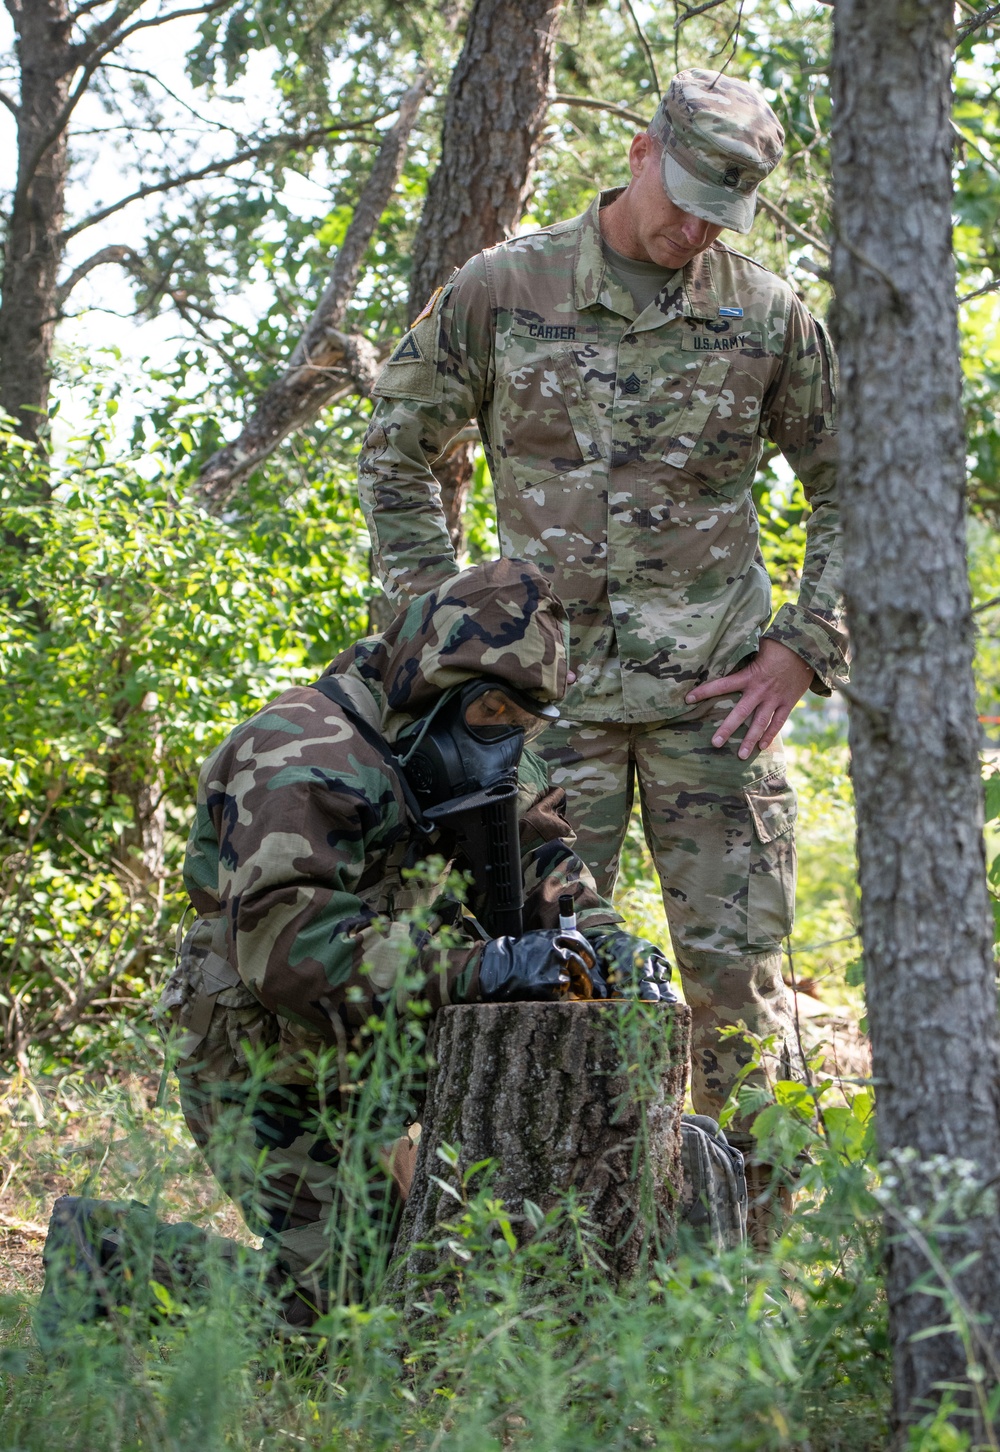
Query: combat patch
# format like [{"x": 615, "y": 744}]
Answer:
[
  {"x": 408, "y": 351},
  {"x": 411, "y": 369}
]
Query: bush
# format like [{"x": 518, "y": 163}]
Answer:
[{"x": 135, "y": 631}]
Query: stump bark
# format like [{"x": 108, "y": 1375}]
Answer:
[{"x": 583, "y": 1097}]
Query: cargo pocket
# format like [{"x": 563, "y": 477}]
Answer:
[
  {"x": 209, "y": 1011},
  {"x": 771, "y": 889}
]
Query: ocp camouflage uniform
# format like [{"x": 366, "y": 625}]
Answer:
[
  {"x": 622, "y": 450},
  {"x": 308, "y": 922}
]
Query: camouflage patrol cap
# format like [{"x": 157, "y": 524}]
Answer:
[
  {"x": 498, "y": 619},
  {"x": 720, "y": 140}
]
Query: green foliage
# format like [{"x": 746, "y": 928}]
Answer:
[
  {"x": 134, "y": 633},
  {"x": 506, "y": 1346}
]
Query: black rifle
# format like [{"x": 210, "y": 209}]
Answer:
[{"x": 484, "y": 825}]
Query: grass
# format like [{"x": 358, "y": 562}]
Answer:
[
  {"x": 531, "y": 1350},
  {"x": 724, "y": 1352}
]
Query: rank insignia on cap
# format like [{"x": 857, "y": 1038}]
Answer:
[
  {"x": 730, "y": 312},
  {"x": 408, "y": 351}
]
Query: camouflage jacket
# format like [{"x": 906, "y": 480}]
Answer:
[
  {"x": 297, "y": 859},
  {"x": 622, "y": 451}
]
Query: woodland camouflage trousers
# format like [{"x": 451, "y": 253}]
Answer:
[
  {"x": 721, "y": 832},
  {"x": 273, "y": 1138}
]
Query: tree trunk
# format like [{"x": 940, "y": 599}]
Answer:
[
  {"x": 34, "y": 245},
  {"x": 494, "y": 117},
  {"x": 493, "y": 124},
  {"x": 141, "y": 847},
  {"x": 914, "y": 736},
  {"x": 577, "y": 1096}
]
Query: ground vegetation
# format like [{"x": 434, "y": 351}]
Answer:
[{"x": 136, "y": 629}]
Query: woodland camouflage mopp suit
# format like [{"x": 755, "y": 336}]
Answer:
[
  {"x": 297, "y": 866},
  {"x": 623, "y": 441}
]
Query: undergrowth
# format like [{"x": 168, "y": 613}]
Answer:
[{"x": 508, "y": 1348}]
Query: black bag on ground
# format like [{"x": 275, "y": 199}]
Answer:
[
  {"x": 102, "y": 1255},
  {"x": 714, "y": 1195}
]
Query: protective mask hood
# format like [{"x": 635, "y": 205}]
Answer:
[{"x": 444, "y": 757}]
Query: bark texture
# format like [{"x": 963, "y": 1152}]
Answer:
[
  {"x": 574, "y": 1096},
  {"x": 494, "y": 116},
  {"x": 914, "y": 736},
  {"x": 326, "y": 361},
  {"x": 34, "y": 244}
]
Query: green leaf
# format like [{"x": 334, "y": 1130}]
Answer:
[{"x": 854, "y": 972}]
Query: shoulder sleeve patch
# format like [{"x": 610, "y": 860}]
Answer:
[
  {"x": 411, "y": 369},
  {"x": 408, "y": 351}
]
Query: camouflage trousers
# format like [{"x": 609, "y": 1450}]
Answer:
[
  {"x": 270, "y": 1125},
  {"x": 721, "y": 832}
]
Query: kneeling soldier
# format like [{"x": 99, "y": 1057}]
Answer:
[{"x": 309, "y": 816}]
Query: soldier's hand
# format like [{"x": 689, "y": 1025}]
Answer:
[
  {"x": 769, "y": 687},
  {"x": 538, "y": 966},
  {"x": 631, "y": 967}
]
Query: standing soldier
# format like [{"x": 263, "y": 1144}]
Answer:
[{"x": 626, "y": 368}]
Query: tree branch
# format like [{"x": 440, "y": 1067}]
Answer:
[
  {"x": 694, "y": 10},
  {"x": 157, "y": 80},
  {"x": 323, "y": 354},
  {"x": 560, "y": 99},
  {"x": 11, "y": 105},
  {"x": 373, "y": 201},
  {"x": 287, "y": 142},
  {"x": 85, "y": 8},
  {"x": 993, "y": 286},
  {"x": 94, "y": 54},
  {"x": 125, "y": 256},
  {"x": 786, "y": 221},
  {"x": 109, "y": 33},
  {"x": 645, "y": 45},
  {"x": 94, "y": 38},
  {"x": 985, "y": 17}
]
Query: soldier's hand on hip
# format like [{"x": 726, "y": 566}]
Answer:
[{"x": 768, "y": 687}]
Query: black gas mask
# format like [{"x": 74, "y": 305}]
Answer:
[{"x": 461, "y": 763}]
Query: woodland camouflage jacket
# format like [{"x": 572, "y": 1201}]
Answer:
[
  {"x": 623, "y": 450},
  {"x": 297, "y": 855}
]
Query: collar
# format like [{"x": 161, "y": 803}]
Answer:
[
  {"x": 701, "y": 298},
  {"x": 593, "y": 284}
]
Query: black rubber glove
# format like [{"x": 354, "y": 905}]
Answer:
[
  {"x": 538, "y": 966},
  {"x": 631, "y": 967}
]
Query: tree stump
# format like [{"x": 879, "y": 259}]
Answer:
[{"x": 560, "y": 1096}]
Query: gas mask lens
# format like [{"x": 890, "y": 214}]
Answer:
[{"x": 493, "y": 714}]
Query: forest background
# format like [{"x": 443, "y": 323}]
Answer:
[{"x": 137, "y": 629}]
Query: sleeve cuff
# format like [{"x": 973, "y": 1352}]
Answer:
[{"x": 817, "y": 641}]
